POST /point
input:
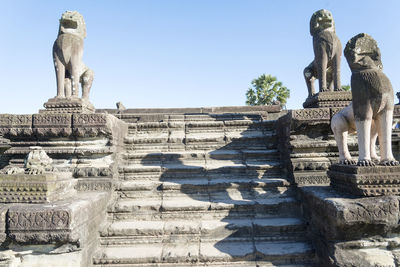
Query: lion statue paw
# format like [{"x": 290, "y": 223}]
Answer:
[
  {"x": 14, "y": 170},
  {"x": 365, "y": 163},
  {"x": 389, "y": 162},
  {"x": 34, "y": 170},
  {"x": 348, "y": 162}
]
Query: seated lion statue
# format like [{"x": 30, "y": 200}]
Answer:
[
  {"x": 67, "y": 55},
  {"x": 327, "y": 54}
]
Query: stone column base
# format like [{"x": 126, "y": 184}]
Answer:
[
  {"x": 67, "y": 105},
  {"x": 328, "y": 100},
  {"x": 365, "y": 181}
]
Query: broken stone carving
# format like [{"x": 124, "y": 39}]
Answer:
[
  {"x": 67, "y": 55},
  {"x": 373, "y": 104},
  {"x": 37, "y": 161},
  {"x": 327, "y": 51}
]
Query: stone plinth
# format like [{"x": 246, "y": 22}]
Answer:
[
  {"x": 63, "y": 233},
  {"x": 41, "y": 188},
  {"x": 365, "y": 181},
  {"x": 67, "y": 105},
  {"x": 328, "y": 100},
  {"x": 351, "y": 231}
]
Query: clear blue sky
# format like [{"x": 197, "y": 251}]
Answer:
[{"x": 171, "y": 53}]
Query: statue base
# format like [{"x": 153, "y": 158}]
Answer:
[
  {"x": 41, "y": 188},
  {"x": 329, "y": 99},
  {"x": 67, "y": 105},
  {"x": 365, "y": 181}
]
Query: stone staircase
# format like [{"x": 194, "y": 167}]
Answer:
[{"x": 203, "y": 190}]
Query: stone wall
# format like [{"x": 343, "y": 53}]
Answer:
[
  {"x": 308, "y": 146},
  {"x": 60, "y": 229},
  {"x": 86, "y": 149}
]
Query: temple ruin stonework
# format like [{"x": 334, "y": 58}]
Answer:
[{"x": 218, "y": 186}]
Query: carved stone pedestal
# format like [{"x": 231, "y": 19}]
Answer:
[
  {"x": 67, "y": 105},
  {"x": 41, "y": 188},
  {"x": 351, "y": 231},
  {"x": 328, "y": 99},
  {"x": 365, "y": 181}
]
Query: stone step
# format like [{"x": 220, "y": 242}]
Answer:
[
  {"x": 143, "y": 157},
  {"x": 204, "y": 121},
  {"x": 139, "y": 189},
  {"x": 276, "y": 253},
  {"x": 222, "y": 138},
  {"x": 207, "y": 204},
  {"x": 200, "y": 184},
  {"x": 290, "y": 228},
  {"x": 194, "y": 264},
  {"x": 212, "y": 264},
  {"x": 230, "y": 125},
  {"x": 201, "y": 167}
]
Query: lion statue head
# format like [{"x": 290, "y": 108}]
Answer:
[
  {"x": 321, "y": 20},
  {"x": 362, "y": 52},
  {"x": 72, "y": 22}
]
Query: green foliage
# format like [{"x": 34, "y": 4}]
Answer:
[
  {"x": 266, "y": 90},
  {"x": 346, "y": 87}
]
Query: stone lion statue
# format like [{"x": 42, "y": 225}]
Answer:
[
  {"x": 67, "y": 55},
  {"x": 327, "y": 54},
  {"x": 371, "y": 111}
]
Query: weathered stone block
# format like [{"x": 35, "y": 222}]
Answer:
[
  {"x": 342, "y": 226},
  {"x": 41, "y": 188},
  {"x": 15, "y": 125},
  {"x": 339, "y": 216},
  {"x": 73, "y": 221},
  {"x": 365, "y": 181}
]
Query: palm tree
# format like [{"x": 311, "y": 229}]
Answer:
[{"x": 266, "y": 90}]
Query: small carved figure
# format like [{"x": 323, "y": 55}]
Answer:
[
  {"x": 373, "y": 100},
  {"x": 37, "y": 161},
  {"x": 67, "y": 55},
  {"x": 120, "y": 107},
  {"x": 327, "y": 54}
]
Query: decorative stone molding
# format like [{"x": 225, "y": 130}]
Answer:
[
  {"x": 38, "y": 220},
  {"x": 62, "y": 222},
  {"x": 311, "y": 114},
  {"x": 365, "y": 181},
  {"x": 91, "y": 172},
  {"x": 67, "y": 105},
  {"x": 15, "y": 125},
  {"x": 43, "y": 126},
  {"x": 93, "y": 184},
  {"x": 338, "y": 99},
  {"x": 41, "y": 188}
]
